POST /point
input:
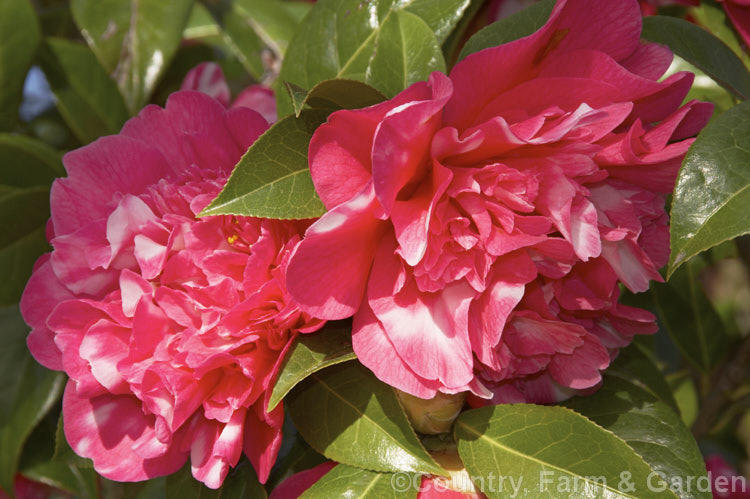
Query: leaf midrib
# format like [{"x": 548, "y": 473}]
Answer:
[
  {"x": 362, "y": 414},
  {"x": 483, "y": 436}
]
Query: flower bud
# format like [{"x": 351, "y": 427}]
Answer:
[{"x": 435, "y": 415}]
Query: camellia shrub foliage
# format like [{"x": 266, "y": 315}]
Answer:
[{"x": 374, "y": 248}]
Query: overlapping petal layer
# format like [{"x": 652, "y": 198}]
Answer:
[
  {"x": 170, "y": 327},
  {"x": 481, "y": 223}
]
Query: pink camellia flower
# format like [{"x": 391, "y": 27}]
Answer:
[
  {"x": 480, "y": 224},
  {"x": 207, "y": 77},
  {"x": 170, "y": 327}
]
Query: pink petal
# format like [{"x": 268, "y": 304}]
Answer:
[
  {"x": 105, "y": 428},
  {"x": 402, "y": 142},
  {"x": 376, "y": 352},
  {"x": 263, "y": 438},
  {"x": 328, "y": 272},
  {"x": 428, "y": 330},
  {"x": 295, "y": 485},
  {"x": 582, "y": 368}
]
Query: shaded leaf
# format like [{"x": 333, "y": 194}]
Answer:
[
  {"x": 300, "y": 457},
  {"x": 334, "y": 94},
  {"x": 553, "y": 450},
  {"x": 349, "y": 416},
  {"x": 311, "y": 353},
  {"x": 87, "y": 98},
  {"x": 712, "y": 195},
  {"x": 689, "y": 318},
  {"x": 28, "y": 162},
  {"x": 82, "y": 482},
  {"x": 634, "y": 365},
  {"x": 347, "y": 481},
  {"x": 383, "y": 43},
  {"x": 27, "y": 392},
  {"x": 511, "y": 28},
  {"x": 702, "y": 49},
  {"x": 650, "y": 426},
  {"x": 272, "y": 179},
  {"x": 134, "y": 40},
  {"x": 24, "y": 213},
  {"x": 19, "y": 38}
]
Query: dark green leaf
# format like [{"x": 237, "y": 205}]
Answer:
[
  {"x": 300, "y": 457},
  {"x": 634, "y": 365},
  {"x": 511, "y": 28},
  {"x": 334, "y": 94},
  {"x": 554, "y": 451},
  {"x": 24, "y": 214},
  {"x": 629, "y": 409},
  {"x": 28, "y": 162},
  {"x": 712, "y": 196},
  {"x": 134, "y": 40},
  {"x": 82, "y": 482},
  {"x": 349, "y": 416},
  {"x": 272, "y": 179},
  {"x": 383, "y": 43},
  {"x": 240, "y": 483},
  {"x": 19, "y": 38},
  {"x": 311, "y": 353},
  {"x": 347, "y": 481},
  {"x": 87, "y": 98},
  {"x": 27, "y": 392},
  {"x": 702, "y": 49},
  {"x": 689, "y": 318}
]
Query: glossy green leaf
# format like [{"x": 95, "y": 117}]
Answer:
[
  {"x": 27, "y": 392},
  {"x": 24, "y": 213},
  {"x": 28, "y": 162},
  {"x": 440, "y": 15},
  {"x": 311, "y": 353},
  {"x": 348, "y": 415},
  {"x": 689, "y": 318},
  {"x": 272, "y": 179},
  {"x": 87, "y": 98},
  {"x": 240, "y": 483},
  {"x": 650, "y": 426},
  {"x": 332, "y": 95},
  {"x": 511, "y": 28},
  {"x": 406, "y": 51},
  {"x": 702, "y": 49},
  {"x": 712, "y": 197},
  {"x": 554, "y": 451},
  {"x": 347, "y": 481},
  {"x": 134, "y": 40},
  {"x": 19, "y": 38},
  {"x": 383, "y": 43}
]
